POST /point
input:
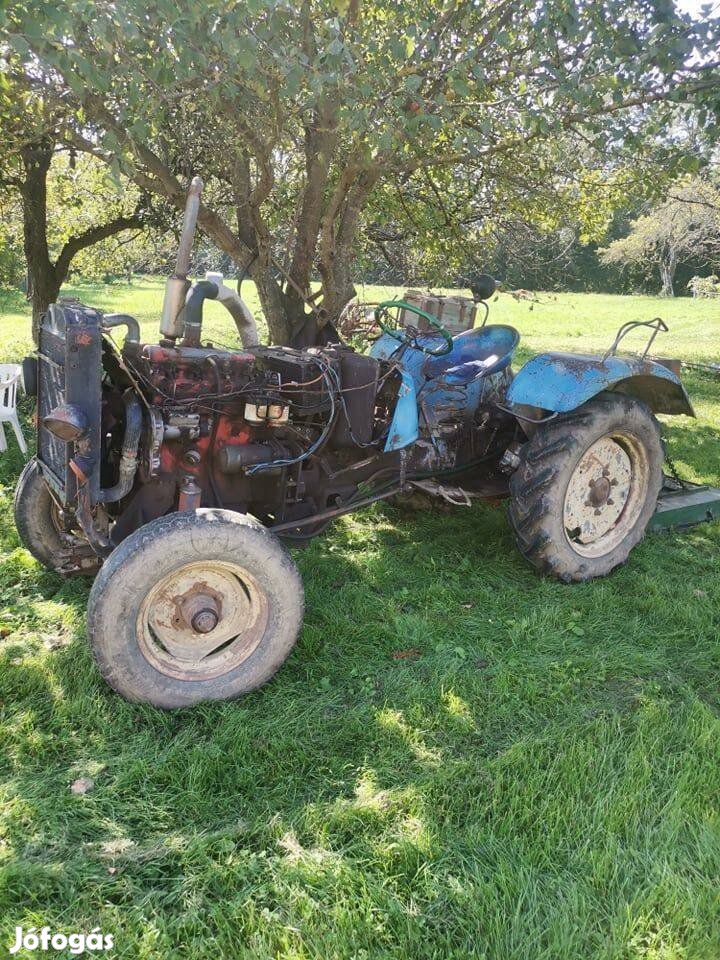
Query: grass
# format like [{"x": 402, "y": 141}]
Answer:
[{"x": 459, "y": 759}]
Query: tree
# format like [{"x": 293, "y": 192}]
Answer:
[
  {"x": 684, "y": 227},
  {"x": 295, "y": 112},
  {"x": 440, "y": 226},
  {"x": 83, "y": 217},
  {"x": 12, "y": 261}
]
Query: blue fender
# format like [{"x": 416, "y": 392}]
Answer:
[{"x": 563, "y": 381}]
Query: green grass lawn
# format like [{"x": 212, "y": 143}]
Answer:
[{"x": 460, "y": 759}]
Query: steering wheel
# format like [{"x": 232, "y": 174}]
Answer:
[{"x": 413, "y": 340}]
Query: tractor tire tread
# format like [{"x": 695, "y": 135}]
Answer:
[
  {"x": 544, "y": 463},
  {"x": 166, "y": 543},
  {"x": 32, "y": 507}
]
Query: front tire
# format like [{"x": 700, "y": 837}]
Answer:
[
  {"x": 37, "y": 518},
  {"x": 194, "y": 606},
  {"x": 586, "y": 487}
]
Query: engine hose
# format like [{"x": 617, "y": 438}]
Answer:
[
  {"x": 128, "y": 457},
  {"x": 193, "y": 313},
  {"x": 111, "y": 320},
  {"x": 197, "y": 295}
]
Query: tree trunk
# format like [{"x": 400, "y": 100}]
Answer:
[
  {"x": 272, "y": 300},
  {"x": 45, "y": 290},
  {"x": 43, "y": 279},
  {"x": 668, "y": 266},
  {"x": 336, "y": 253}
]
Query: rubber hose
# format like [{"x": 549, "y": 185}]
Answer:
[{"x": 128, "y": 458}]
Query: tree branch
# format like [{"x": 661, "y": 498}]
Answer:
[{"x": 91, "y": 236}]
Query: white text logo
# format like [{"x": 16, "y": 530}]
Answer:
[{"x": 76, "y": 943}]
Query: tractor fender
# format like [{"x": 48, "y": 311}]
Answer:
[{"x": 561, "y": 382}]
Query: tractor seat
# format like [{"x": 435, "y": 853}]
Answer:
[{"x": 476, "y": 353}]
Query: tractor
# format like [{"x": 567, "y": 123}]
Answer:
[{"x": 179, "y": 473}]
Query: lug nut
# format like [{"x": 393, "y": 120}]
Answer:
[{"x": 204, "y": 621}]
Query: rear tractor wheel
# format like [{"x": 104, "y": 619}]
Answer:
[
  {"x": 199, "y": 605},
  {"x": 586, "y": 487}
]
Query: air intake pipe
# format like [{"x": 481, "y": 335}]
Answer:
[{"x": 211, "y": 290}]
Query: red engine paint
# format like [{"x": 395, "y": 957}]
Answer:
[{"x": 229, "y": 431}]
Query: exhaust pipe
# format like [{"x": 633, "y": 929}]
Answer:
[{"x": 177, "y": 286}]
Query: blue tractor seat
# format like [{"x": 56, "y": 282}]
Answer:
[{"x": 476, "y": 353}]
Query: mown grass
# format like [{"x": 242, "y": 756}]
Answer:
[{"x": 459, "y": 759}]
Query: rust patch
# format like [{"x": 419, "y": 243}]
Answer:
[{"x": 79, "y": 474}]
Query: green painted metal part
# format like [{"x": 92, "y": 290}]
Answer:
[{"x": 685, "y": 507}]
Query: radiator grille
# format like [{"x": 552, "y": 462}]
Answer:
[
  {"x": 52, "y": 452},
  {"x": 70, "y": 373}
]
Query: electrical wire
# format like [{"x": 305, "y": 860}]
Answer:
[
  {"x": 256, "y": 468},
  {"x": 333, "y": 375},
  {"x": 335, "y": 390}
]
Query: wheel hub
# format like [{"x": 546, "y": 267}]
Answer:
[
  {"x": 200, "y": 608},
  {"x": 204, "y": 621},
  {"x": 201, "y": 620},
  {"x": 598, "y": 491}
]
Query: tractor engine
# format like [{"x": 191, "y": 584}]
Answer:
[{"x": 238, "y": 428}]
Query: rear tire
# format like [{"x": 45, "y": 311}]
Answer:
[
  {"x": 194, "y": 606},
  {"x": 36, "y": 518},
  {"x": 586, "y": 487}
]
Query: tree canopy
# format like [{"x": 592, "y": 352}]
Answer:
[{"x": 298, "y": 114}]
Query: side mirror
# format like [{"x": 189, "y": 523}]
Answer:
[{"x": 483, "y": 286}]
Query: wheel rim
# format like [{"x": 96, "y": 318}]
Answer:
[
  {"x": 605, "y": 494},
  {"x": 202, "y": 620},
  {"x": 56, "y": 518}
]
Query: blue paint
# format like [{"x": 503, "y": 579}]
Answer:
[
  {"x": 404, "y": 426},
  {"x": 563, "y": 381},
  {"x": 476, "y": 353},
  {"x": 460, "y": 378}
]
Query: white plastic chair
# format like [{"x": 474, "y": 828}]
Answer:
[{"x": 10, "y": 374}]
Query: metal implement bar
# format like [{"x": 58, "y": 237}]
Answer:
[
  {"x": 335, "y": 511},
  {"x": 685, "y": 507}
]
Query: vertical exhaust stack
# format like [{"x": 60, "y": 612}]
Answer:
[{"x": 177, "y": 286}]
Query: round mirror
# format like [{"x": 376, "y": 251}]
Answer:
[{"x": 483, "y": 286}]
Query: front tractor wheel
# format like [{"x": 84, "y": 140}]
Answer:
[
  {"x": 37, "y": 518},
  {"x": 198, "y": 605},
  {"x": 586, "y": 487}
]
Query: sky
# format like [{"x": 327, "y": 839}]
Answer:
[{"x": 693, "y": 6}]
